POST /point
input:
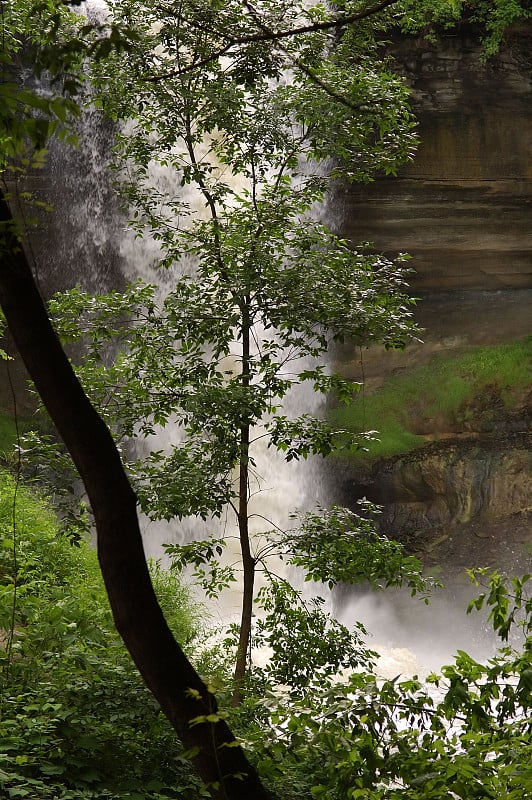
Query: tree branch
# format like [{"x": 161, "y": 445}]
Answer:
[{"x": 267, "y": 35}]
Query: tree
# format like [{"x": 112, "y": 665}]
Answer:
[{"x": 244, "y": 148}]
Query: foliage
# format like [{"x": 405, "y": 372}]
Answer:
[
  {"x": 47, "y": 725},
  {"x": 496, "y": 18},
  {"x": 28, "y": 118},
  {"x": 46, "y": 466},
  {"x": 447, "y": 387},
  {"x": 8, "y": 436},
  {"x": 338, "y": 545},
  {"x": 491, "y": 19},
  {"x": 331, "y": 546},
  {"x": 76, "y": 720},
  {"x": 465, "y": 733},
  {"x": 510, "y": 605},
  {"x": 77, "y": 723},
  {"x": 306, "y": 645}
]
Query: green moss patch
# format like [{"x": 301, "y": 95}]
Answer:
[{"x": 449, "y": 393}]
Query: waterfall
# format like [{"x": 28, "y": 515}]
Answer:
[{"x": 93, "y": 246}]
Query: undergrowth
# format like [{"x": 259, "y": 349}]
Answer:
[
  {"x": 8, "y": 435},
  {"x": 76, "y": 721}
]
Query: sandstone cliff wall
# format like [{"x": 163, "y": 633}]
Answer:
[{"x": 463, "y": 210}]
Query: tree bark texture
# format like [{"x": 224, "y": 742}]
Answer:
[{"x": 179, "y": 690}]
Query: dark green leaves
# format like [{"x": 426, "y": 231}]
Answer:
[
  {"x": 204, "y": 556},
  {"x": 307, "y": 644},
  {"x": 510, "y": 606},
  {"x": 339, "y": 545}
]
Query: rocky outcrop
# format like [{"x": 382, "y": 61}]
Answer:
[
  {"x": 462, "y": 208},
  {"x": 475, "y": 492}
]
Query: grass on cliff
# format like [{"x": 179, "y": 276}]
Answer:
[{"x": 450, "y": 390}]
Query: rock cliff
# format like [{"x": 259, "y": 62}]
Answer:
[{"x": 462, "y": 209}]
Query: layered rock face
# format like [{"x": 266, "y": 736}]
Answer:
[
  {"x": 463, "y": 210},
  {"x": 457, "y": 503}
]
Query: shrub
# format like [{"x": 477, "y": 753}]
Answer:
[{"x": 76, "y": 719}]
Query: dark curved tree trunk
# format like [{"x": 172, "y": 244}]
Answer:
[{"x": 164, "y": 667}]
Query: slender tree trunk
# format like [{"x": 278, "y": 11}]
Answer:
[
  {"x": 248, "y": 568},
  {"x": 164, "y": 667},
  {"x": 248, "y": 562}
]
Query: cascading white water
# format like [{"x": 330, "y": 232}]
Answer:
[{"x": 277, "y": 488}]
